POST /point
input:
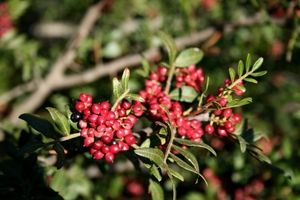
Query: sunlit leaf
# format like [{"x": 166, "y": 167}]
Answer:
[
  {"x": 156, "y": 190},
  {"x": 135, "y": 97},
  {"x": 155, "y": 155},
  {"x": 169, "y": 44},
  {"x": 31, "y": 146},
  {"x": 125, "y": 78},
  {"x": 61, "y": 156},
  {"x": 257, "y": 74},
  {"x": 188, "y": 57},
  {"x": 117, "y": 88},
  {"x": 195, "y": 144},
  {"x": 240, "y": 68},
  {"x": 155, "y": 172},
  {"x": 257, "y": 64},
  {"x": 60, "y": 121},
  {"x": 248, "y": 62},
  {"x": 146, "y": 143},
  {"x": 251, "y": 80},
  {"x": 40, "y": 124},
  {"x": 232, "y": 74},
  {"x": 176, "y": 174},
  {"x": 188, "y": 155},
  {"x": 242, "y": 88},
  {"x": 184, "y": 93}
]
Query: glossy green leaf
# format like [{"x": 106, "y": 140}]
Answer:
[
  {"x": 184, "y": 93},
  {"x": 169, "y": 44},
  {"x": 61, "y": 156},
  {"x": 248, "y": 62},
  {"x": 60, "y": 121},
  {"x": 31, "y": 146},
  {"x": 257, "y": 64},
  {"x": 188, "y": 57},
  {"x": 135, "y": 97},
  {"x": 239, "y": 103},
  {"x": 257, "y": 74},
  {"x": 240, "y": 68},
  {"x": 155, "y": 155},
  {"x": 242, "y": 88},
  {"x": 40, "y": 124},
  {"x": 146, "y": 143},
  {"x": 241, "y": 127},
  {"x": 251, "y": 80},
  {"x": 195, "y": 144},
  {"x": 232, "y": 74},
  {"x": 69, "y": 113},
  {"x": 242, "y": 142},
  {"x": 156, "y": 190},
  {"x": 252, "y": 136},
  {"x": 188, "y": 155},
  {"x": 125, "y": 78},
  {"x": 117, "y": 88},
  {"x": 155, "y": 172},
  {"x": 176, "y": 174}
]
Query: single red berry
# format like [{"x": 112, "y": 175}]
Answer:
[
  {"x": 120, "y": 133},
  {"x": 218, "y": 112},
  {"x": 83, "y": 132},
  {"x": 223, "y": 102},
  {"x": 236, "y": 118},
  {"x": 79, "y": 106},
  {"x": 132, "y": 118},
  {"x": 82, "y": 97},
  {"x": 122, "y": 112},
  {"x": 114, "y": 148},
  {"x": 222, "y": 131},
  {"x": 125, "y": 147},
  {"x": 109, "y": 157},
  {"x": 98, "y": 145},
  {"x": 89, "y": 99},
  {"x": 105, "y": 105},
  {"x": 110, "y": 123},
  {"x": 95, "y": 108},
  {"x": 209, "y": 129},
  {"x": 127, "y": 124},
  {"x": 231, "y": 129},
  {"x": 227, "y": 112},
  {"x": 82, "y": 124},
  {"x": 181, "y": 131},
  {"x": 98, "y": 155},
  {"x": 130, "y": 139},
  {"x": 88, "y": 142},
  {"x": 106, "y": 139},
  {"x": 110, "y": 116},
  {"x": 105, "y": 149},
  {"x": 228, "y": 125},
  {"x": 93, "y": 118},
  {"x": 126, "y": 105},
  {"x": 209, "y": 98}
]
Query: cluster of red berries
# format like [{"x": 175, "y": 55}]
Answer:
[
  {"x": 236, "y": 90},
  {"x": 154, "y": 97},
  {"x": 106, "y": 130},
  {"x": 5, "y": 19}
]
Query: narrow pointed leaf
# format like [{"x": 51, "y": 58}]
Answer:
[
  {"x": 156, "y": 190},
  {"x": 188, "y": 57},
  {"x": 176, "y": 174},
  {"x": 241, "y": 88},
  {"x": 195, "y": 144},
  {"x": 248, "y": 62},
  {"x": 257, "y": 74},
  {"x": 117, "y": 88},
  {"x": 169, "y": 44},
  {"x": 155, "y": 172},
  {"x": 251, "y": 80},
  {"x": 277, "y": 169},
  {"x": 69, "y": 113},
  {"x": 31, "y": 146},
  {"x": 61, "y": 156},
  {"x": 257, "y": 64},
  {"x": 40, "y": 124},
  {"x": 232, "y": 74},
  {"x": 184, "y": 93},
  {"x": 188, "y": 155},
  {"x": 146, "y": 66},
  {"x": 60, "y": 121},
  {"x": 243, "y": 144},
  {"x": 240, "y": 68},
  {"x": 155, "y": 155},
  {"x": 135, "y": 97},
  {"x": 125, "y": 78}
]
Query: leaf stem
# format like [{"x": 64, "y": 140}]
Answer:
[
  {"x": 120, "y": 99},
  {"x": 169, "y": 80},
  {"x": 169, "y": 146},
  {"x": 69, "y": 137}
]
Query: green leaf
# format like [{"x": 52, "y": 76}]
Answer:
[
  {"x": 176, "y": 174},
  {"x": 69, "y": 113},
  {"x": 169, "y": 44},
  {"x": 184, "y": 93},
  {"x": 135, "y": 97},
  {"x": 156, "y": 190},
  {"x": 31, "y": 146},
  {"x": 195, "y": 144},
  {"x": 241, "y": 127},
  {"x": 261, "y": 73},
  {"x": 155, "y": 172},
  {"x": 238, "y": 103},
  {"x": 155, "y": 155},
  {"x": 28, "y": 167},
  {"x": 240, "y": 68},
  {"x": 188, "y": 57},
  {"x": 242, "y": 88},
  {"x": 61, "y": 156},
  {"x": 248, "y": 62},
  {"x": 277, "y": 169},
  {"x": 232, "y": 74},
  {"x": 125, "y": 78},
  {"x": 145, "y": 144},
  {"x": 252, "y": 136},
  {"x": 40, "y": 124},
  {"x": 243, "y": 143},
  {"x": 257, "y": 64},
  {"x": 188, "y": 155},
  {"x": 117, "y": 88},
  {"x": 251, "y": 80},
  {"x": 60, "y": 120}
]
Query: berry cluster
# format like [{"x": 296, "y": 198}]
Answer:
[
  {"x": 154, "y": 97},
  {"x": 106, "y": 130},
  {"x": 5, "y": 19}
]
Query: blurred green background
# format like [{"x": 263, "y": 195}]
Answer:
[{"x": 267, "y": 29}]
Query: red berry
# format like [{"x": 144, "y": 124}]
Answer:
[
  {"x": 109, "y": 157},
  {"x": 105, "y": 149},
  {"x": 125, "y": 147},
  {"x": 120, "y": 133},
  {"x": 181, "y": 131},
  {"x": 88, "y": 142},
  {"x": 137, "y": 110},
  {"x": 114, "y": 148},
  {"x": 98, "y": 155},
  {"x": 132, "y": 118},
  {"x": 228, "y": 125},
  {"x": 122, "y": 112},
  {"x": 110, "y": 116},
  {"x": 83, "y": 132},
  {"x": 82, "y": 97},
  {"x": 218, "y": 112},
  {"x": 222, "y": 131},
  {"x": 227, "y": 112},
  {"x": 209, "y": 129},
  {"x": 98, "y": 145},
  {"x": 106, "y": 139},
  {"x": 89, "y": 98},
  {"x": 223, "y": 102},
  {"x": 95, "y": 108},
  {"x": 126, "y": 105},
  {"x": 82, "y": 124},
  {"x": 93, "y": 118},
  {"x": 105, "y": 105},
  {"x": 236, "y": 118},
  {"x": 79, "y": 106},
  {"x": 130, "y": 139}
]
